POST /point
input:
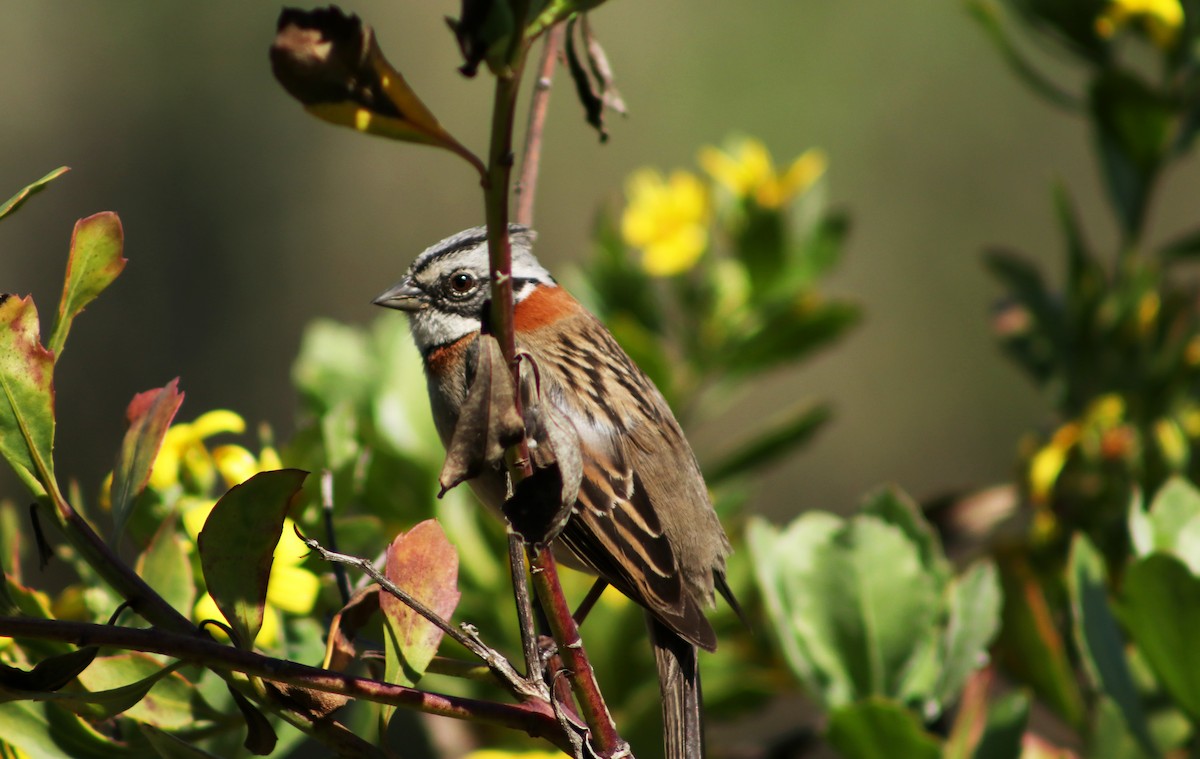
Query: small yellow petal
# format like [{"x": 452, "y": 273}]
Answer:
[
  {"x": 290, "y": 549},
  {"x": 195, "y": 513},
  {"x": 1172, "y": 443},
  {"x": 268, "y": 634},
  {"x": 235, "y": 463},
  {"x": 1107, "y": 410},
  {"x": 216, "y": 422},
  {"x": 667, "y": 219},
  {"x": 292, "y": 589},
  {"x": 1158, "y": 20},
  {"x": 268, "y": 460},
  {"x": 106, "y": 492},
  {"x": 206, "y": 608},
  {"x": 165, "y": 472}
]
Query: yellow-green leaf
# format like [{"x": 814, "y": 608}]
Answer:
[
  {"x": 95, "y": 261},
  {"x": 13, "y": 203},
  {"x": 26, "y": 395}
]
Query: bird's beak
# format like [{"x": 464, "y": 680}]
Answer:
[{"x": 403, "y": 296}]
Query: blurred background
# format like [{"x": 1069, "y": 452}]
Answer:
[{"x": 245, "y": 218}]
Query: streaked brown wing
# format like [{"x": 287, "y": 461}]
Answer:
[{"x": 624, "y": 427}]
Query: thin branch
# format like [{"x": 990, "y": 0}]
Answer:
[
  {"x": 339, "y": 570},
  {"x": 466, "y": 636},
  {"x": 120, "y": 576},
  {"x": 529, "y": 638},
  {"x": 607, "y": 741},
  {"x": 538, "y": 105},
  {"x": 534, "y": 717}
]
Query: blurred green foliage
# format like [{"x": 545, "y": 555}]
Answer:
[{"x": 1082, "y": 604}]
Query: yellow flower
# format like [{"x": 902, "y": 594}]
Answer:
[
  {"x": 206, "y": 608},
  {"x": 1171, "y": 441},
  {"x": 1047, "y": 464},
  {"x": 667, "y": 219},
  {"x": 1160, "y": 20},
  {"x": 236, "y": 464},
  {"x": 183, "y": 451},
  {"x": 748, "y": 171}
]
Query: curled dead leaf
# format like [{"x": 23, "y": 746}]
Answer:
[
  {"x": 592, "y": 74},
  {"x": 488, "y": 423}
]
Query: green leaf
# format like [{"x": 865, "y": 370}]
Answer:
[
  {"x": 1111, "y": 737},
  {"x": 988, "y": 15},
  {"x": 797, "y": 427},
  {"x": 789, "y": 332},
  {"x": 1160, "y": 607},
  {"x": 892, "y": 505},
  {"x": 1133, "y": 129},
  {"x": 1183, "y": 248},
  {"x": 120, "y": 684},
  {"x": 237, "y": 546},
  {"x": 1005, "y": 728},
  {"x": 260, "y": 736},
  {"x": 1085, "y": 278},
  {"x": 761, "y": 244},
  {"x": 783, "y": 560},
  {"x": 975, "y": 603},
  {"x": 880, "y": 729},
  {"x": 94, "y": 263},
  {"x": 1025, "y": 285},
  {"x": 50, "y": 674},
  {"x": 424, "y": 564},
  {"x": 167, "y": 567},
  {"x": 15, "y": 202},
  {"x": 1173, "y": 521},
  {"x": 1030, "y": 646},
  {"x": 47, "y": 731},
  {"x": 1099, "y": 639},
  {"x": 873, "y": 602},
  {"x": 148, "y": 416},
  {"x": 817, "y": 256},
  {"x": 168, "y": 746},
  {"x": 26, "y": 396}
]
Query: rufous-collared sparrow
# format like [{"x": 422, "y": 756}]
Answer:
[{"x": 643, "y": 520}]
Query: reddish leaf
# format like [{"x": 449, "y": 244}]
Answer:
[
  {"x": 237, "y": 546},
  {"x": 425, "y": 564},
  {"x": 149, "y": 415},
  {"x": 94, "y": 263},
  {"x": 26, "y": 395}
]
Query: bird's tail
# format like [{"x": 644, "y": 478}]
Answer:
[{"x": 679, "y": 679}]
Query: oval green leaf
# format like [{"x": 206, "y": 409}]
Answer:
[{"x": 237, "y": 546}]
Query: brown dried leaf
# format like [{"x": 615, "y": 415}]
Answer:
[
  {"x": 340, "y": 651},
  {"x": 313, "y": 704},
  {"x": 488, "y": 423},
  {"x": 332, "y": 64},
  {"x": 592, "y": 74}
]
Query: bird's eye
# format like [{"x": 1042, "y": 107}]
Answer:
[{"x": 460, "y": 283}]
